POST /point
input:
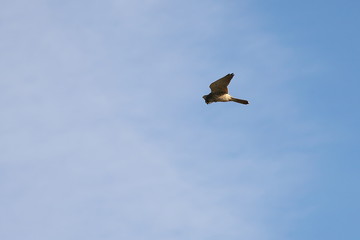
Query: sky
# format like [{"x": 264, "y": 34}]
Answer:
[{"x": 105, "y": 135}]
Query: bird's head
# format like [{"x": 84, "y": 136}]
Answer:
[{"x": 205, "y": 97}]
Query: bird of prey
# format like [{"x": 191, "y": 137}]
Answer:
[{"x": 220, "y": 93}]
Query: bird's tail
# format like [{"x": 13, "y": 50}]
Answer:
[{"x": 242, "y": 101}]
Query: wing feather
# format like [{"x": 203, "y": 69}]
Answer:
[{"x": 220, "y": 85}]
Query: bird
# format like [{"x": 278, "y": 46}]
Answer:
[{"x": 220, "y": 93}]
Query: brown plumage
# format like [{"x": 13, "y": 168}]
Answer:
[{"x": 220, "y": 92}]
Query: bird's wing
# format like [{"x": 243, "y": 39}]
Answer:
[{"x": 220, "y": 85}]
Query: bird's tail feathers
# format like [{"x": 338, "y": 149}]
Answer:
[{"x": 242, "y": 101}]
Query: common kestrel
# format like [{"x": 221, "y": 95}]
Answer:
[{"x": 220, "y": 93}]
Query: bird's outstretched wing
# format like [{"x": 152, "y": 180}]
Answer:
[{"x": 220, "y": 85}]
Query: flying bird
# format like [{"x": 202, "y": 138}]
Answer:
[{"x": 220, "y": 93}]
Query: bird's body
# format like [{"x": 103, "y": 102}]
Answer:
[
  {"x": 220, "y": 93},
  {"x": 214, "y": 97}
]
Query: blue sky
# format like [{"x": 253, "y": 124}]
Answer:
[{"x": 104, "y": 134}]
